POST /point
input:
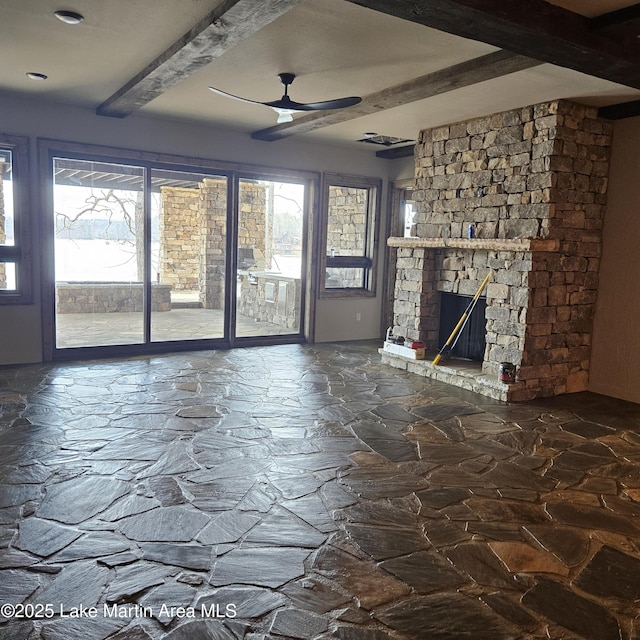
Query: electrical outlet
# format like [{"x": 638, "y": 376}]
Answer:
[{"x": 358, "y": 316}]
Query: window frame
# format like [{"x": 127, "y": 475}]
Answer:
[
  {"x": 19, "y": 253},
  {"x": 368, "y": 262}
]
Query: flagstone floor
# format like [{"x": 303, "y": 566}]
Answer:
[{"x": 309, "y": 492}]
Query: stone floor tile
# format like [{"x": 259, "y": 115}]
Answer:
[
  {"x": 165, "y": 524},
  {"x": 165, "y": 600},
  {"x": 77, "y": 500},
  {"x": 566, "y": 608},
  {"x": 359, "y": 633},
  {"x": 591, "y": 518},
  {"x": 611, "y": 574},
  {"x": 312, "y": 594},
  {"x": 133, "y": 579},
  {"x": 264, "y": 566},
  {"x": 510, "y": 609},
  {"x": 16, "y": 630},
  {"x": 281, "y": 527},
  {"x": 229, "y": 526},
  {"x": 247, "y": 602},
  {"x": 445, "y": 616},
  {"x": 365, "y": 580},
  {"x": 188, "y": 556},
  {"x": 477, "y": 561},
  {"x": 82, "y": 629},
  {"x": 383, "y": 543},
  {"x": 520, "y": 557},
  {"x": 425, "y": 572},
  {"x": 135, "y": 632},
  {"x": 16, "y": 585},
  {"x": 79, "y": 583},
  {"x": 93, "y": 545},
  {"x": 295, "y": 623},
  {"x": 43, "y": 537},
  {"x": 201, "y": 630}
]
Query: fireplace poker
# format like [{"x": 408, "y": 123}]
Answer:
[{"x": 463, "y": 320}]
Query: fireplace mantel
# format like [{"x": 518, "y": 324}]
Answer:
[{"x": 490, "y": 244}]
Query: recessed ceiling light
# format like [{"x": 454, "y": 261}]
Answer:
[
  {"x": 32, "y": 75},
  {"x": 69, "y": 17}
]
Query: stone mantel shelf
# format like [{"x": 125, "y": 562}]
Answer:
[{"x": 491, "y": 244}]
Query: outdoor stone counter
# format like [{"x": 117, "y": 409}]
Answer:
[
  {"x": 109, "y": 297},
  {"x": 270, "y": 297}
]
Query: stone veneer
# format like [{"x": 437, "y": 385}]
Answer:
[
  {"x": 536, "y": 173},
  {"x": 109, "y": 297},
  {"x": 347, "y": 229},
  {"x": 193, "y": 235}
]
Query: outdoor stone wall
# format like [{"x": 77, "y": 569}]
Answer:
[
  {"x": 539, "y": 172},
  {"x": 213, "y": 211},
  {"x": 193, "y": 235},
  {"x": 109, "y": 297},
  {"x": 346, "y": 229},
  {"x": 253, "y": 227},
  {"x": 180, "y": 238}
]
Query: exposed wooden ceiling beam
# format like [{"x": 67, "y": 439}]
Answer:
[
  {"x": 229, "y": 23},
  {"x": 624, "y": 22},
  {"x": 533, "y": 28},
  {"x": 493, "y": 65},
  {"x": 620, "y": 111}
]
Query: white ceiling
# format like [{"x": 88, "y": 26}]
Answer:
[{"x": 334, "y": 47}]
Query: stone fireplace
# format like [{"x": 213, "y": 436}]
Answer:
[{"x": 533, "y": 182}]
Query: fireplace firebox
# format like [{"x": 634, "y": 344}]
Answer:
[{"x": 471, "y": 341}]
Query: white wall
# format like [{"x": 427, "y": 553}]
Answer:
[
  {"x": 616, "y": 334},
  {"x": 20, "y": 326}
]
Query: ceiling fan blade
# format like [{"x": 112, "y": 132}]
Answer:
[
  {"x": 287, "y": 103},
  {"x": 285, "y": 106},
  {"x": 230, "y": 95},
  {"x": 338, "y": 103}
]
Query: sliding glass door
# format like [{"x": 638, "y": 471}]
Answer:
[
  {"x": 188, "y": 255},
  {"x": 149, "y": 255},
  {"x": 270, "y": 252},
  {"x": 99, "y": 253}
]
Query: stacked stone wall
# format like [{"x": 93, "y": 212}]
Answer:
[
  {"x": 213, "y": 210},
  {"x": 180, "y": 238},
  {"x": 109, "y": 297},
  {"x": 539, "y": 172},
  {"x": 347, "y": 229},
  {"x": 252, "y": 223}
]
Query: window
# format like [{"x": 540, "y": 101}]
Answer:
[
  {"x": 349, "y": 235},
  {"x": 15, "y": 266}
]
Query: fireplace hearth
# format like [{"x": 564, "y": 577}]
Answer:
[{"x": 538, "y": 218}]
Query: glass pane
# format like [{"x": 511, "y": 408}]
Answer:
[
  {"x": 409, "y": 212},
  {"x": 6, "y": 200},
  {"x": 344, "y": 278},
  {"x": 188, "y": 249},
  {"x": 8, "y": 276},
  {"x": 269, "y": 277},
  {"x": 347, "y": 221},
  {"x": 99, "y": 253}
]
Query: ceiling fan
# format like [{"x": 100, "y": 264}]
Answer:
[{"x": 285, "y": 107}]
